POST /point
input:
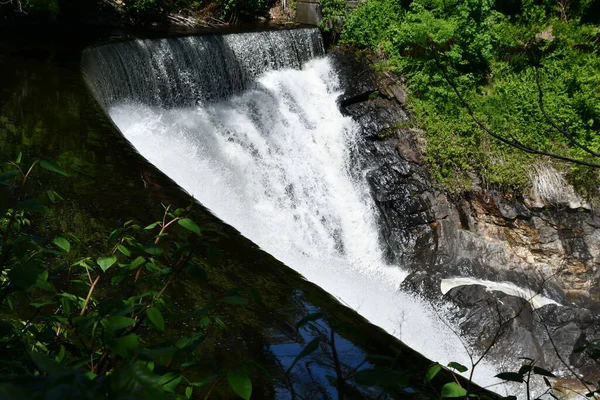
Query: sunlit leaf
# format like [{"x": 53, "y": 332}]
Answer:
[
  {"x": 432, "y": 372},
  {"x": 240, "y": 383},
  {"x": 62, "y": 243},
  {"x": 152, "y": 226},
  {"x": 124, "y": 250},
  {"x": 190, "y": 225},
  {"x": 452, "y": 389},
  {"x": 106, "y": 262}
]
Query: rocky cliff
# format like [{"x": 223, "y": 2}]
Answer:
[{"x": 546, "y": 248}]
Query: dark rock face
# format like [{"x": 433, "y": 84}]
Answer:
[
  {"x": 551, "y": 335},
  {"x": 485, "y": 234}
]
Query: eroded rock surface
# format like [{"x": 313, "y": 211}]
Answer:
[{"x": 551, "y": 249}]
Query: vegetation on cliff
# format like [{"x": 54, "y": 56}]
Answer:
[
  {"x": 136, "y": 10},
  {"x": 496, "y": 85}
]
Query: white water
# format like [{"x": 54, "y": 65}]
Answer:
[
  {"x": 535, "y": 299},
  {"x": 274, "y": 163}
]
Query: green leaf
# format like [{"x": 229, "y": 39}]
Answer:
[
  {"x": 525, "y": 369},
  {"x": 114, "y": 234},
  {"x": 306, "y": 351},
  {"x": 169, "y": 381},
  {"x": 510, "y": 376},
  {"x": 543, "y": 372},
  {"x": 124, "y": 250},
  {"x": 152, "y": 225},
  {"x": 432, "y": 372},
  {"x": 190, "y": 225},
  {"x": 119, "y": 322},
  {"x": 19, "y": 158},
  {"x": 153, "y": 249},
  {"x": 459, "y": 367},
  {"x": 188, "y": 392},
  {"x": 106, "y": 262},
  {"x": 240, "y": 383},
  {"x": 137, "y": 262},
  {"x": 51, "y": 166},
  {"x": 61, "y": 354},
  {"x": 452, "y": 389},
  {"x": 62, "y": 243},
  {"x": 156, "y": 318}
]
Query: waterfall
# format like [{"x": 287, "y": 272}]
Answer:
[
  {"x": 195, "y": 69},
  {"x": 249, "y": 125}
]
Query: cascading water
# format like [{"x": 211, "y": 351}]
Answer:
[{"x": 249, "y": 125}]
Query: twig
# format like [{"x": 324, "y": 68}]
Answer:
[{"x": 89, "y": 295}]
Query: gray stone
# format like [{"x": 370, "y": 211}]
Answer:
[{"x": 308, "y": 12}]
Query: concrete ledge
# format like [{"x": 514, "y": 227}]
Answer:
[{"x": 308, "y": 12}]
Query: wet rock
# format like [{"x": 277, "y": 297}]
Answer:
[
  {"x": 510, "y": 325},
  {"x": 356, "y": 77},
  {"x": 483, "y": 234},
  {"x": 376, "y": 117}
]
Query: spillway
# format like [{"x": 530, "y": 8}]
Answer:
[{"x": 249, "y": 125}]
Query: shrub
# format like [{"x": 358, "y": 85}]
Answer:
[{"x": 466, "y": 56}]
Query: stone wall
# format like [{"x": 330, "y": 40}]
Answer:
[{"x": 309, "y": 11}]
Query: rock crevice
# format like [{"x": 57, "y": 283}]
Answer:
[{"x": 553, "y": 249}]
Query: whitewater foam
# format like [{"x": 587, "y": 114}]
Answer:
[{"x": 274, "y": 162}]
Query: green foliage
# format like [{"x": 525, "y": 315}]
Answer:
[
  {"x": 84, "y": 326},
  {"x": 493, "y": 54},
  {"x": 333, "y": 11},
  {"x": 143, "y": 11}
]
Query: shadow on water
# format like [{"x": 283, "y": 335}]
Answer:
[{"x": 46, "y": 111}]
